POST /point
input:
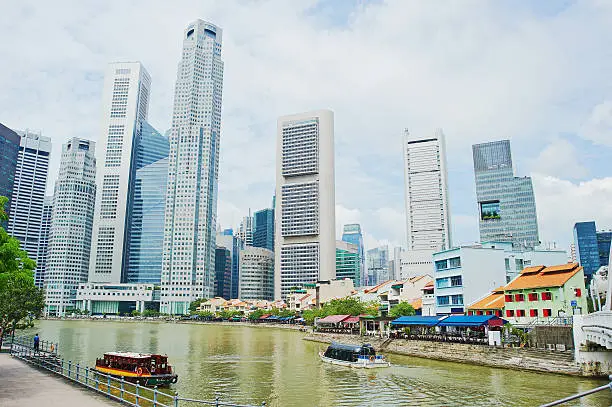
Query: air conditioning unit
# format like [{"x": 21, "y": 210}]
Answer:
[
  {"x": 550, "y": 346},
  {"x": 561, "y": 347}
]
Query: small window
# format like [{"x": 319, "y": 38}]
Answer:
[
  {"x": 578, "y": 292},
  {"x": 519, "y": 297},
  {"x": 509, "y": 313},
  {"x": 508, "y": 298},
  {"x": 533, "y": 296},
  {"x": 190, "y": 33},
  {"x": 533, "y": 312},
  {"x": 547, "y": 312}
]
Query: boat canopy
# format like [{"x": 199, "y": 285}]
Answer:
[
  {"x": 417, "y": 320},
  {"x": 349, "y": 347}
]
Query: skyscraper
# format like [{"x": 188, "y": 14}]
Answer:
[
  {"x": 305, "y": 214},
  {"x": 263, "y": 233},
  {"x": 125, "y": 104},
  {"x": 604, "y": 240},
  {"x": 426, "y": 191},
  {"x": 188, "y": 269},
  {"x": 223, "y": 272},
  {"x": 29, "y": 190},
  {"x": 227, "y": 239},
  {"x": 506, "y": 203},
  {"x": 71, "y": 226},
  {"x": 352, "y": 234},
  {"x": 43, "y": 242},
  {"x": 587, "y": 247},
  {"x": 9, "y": 150},
  {"x": 378, "y": 265},
  {"x": 256, "y": 274},
  {"x": 348, "y": 262},
  {"x": 246, "y": 230}
]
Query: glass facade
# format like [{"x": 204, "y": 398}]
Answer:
[
  {"x": 9, "y": 150},
  {"x": 223, "y": 272},
  {"x": 603, "y": 244},
  {"x": 146, "y": 230},
  {"x": 378, "y": 265},
  {"x": 263, "y": 235},
  {"x": 352, "y": 234},
  {"x": 506, "y": 203},
  {"x": 587, "y": 250},
  {"x": 348, "y": 264}
]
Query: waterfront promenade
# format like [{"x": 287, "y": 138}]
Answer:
[{"x": 22, "y": 385}]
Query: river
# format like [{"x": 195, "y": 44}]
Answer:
[{"x": 250, "y": 365}]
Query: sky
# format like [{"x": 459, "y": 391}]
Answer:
[{"x": 537, "y": 73}]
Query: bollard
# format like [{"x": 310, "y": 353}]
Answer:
[
  {"x": 155, "y": 396},
  {"x": 122, "y": 386},
  {"x": 137, "y": 391}
]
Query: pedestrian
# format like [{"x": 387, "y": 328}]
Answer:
[{"x": 36, "y": 343}]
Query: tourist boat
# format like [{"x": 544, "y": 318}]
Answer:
[
  {"x": 144, "y": 368},
  {"x": 363, "y": 356}
]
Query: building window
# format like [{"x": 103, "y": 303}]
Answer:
[
  {"x": 444, "y": 300},
  {"x": 533, "y": 296},
  {"x": 533, "y": 312},
  {"x": 546, "y": 296},
  {"x": 508, "y": 298},
  {"x": 441, "y": 265},
  {"x": 520, "y": 312},
  {"x": 546, "y": 312},
  {"x": 509, "y": 313},
  {"x": 456, "y": 281},
  {"x": 577, "y": 292},
  {"x": 519, "y": 297},
  {"x": 507, "y": 261},
  {"x": 455, "y": 262},
  {"x": 498, "y": 313}
]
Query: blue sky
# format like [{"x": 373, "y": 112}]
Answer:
[{"x": 537, "y": 73}]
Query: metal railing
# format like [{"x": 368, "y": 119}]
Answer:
[
  {"x": 580, "y": 395},
  {"x": 46, "y": 357}
]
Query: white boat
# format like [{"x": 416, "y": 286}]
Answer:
[{"x": 358, "y": 356}]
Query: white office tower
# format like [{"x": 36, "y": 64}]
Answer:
[
  {"x": 43, "y": 242},
  {"x": 305, "y": 243},
  {"x": 125, "y": 103},
  {"x": 256, "y": 274},
  {"x": 188, "y": 265},
  {"x": 29, "y": 190},
  {"x": 245, "y": 232},
  {"x": 71, "y": 226},
  {"x": 425, "y": 177}
]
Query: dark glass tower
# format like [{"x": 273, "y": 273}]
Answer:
[
  {"x": 587, "y": 250},
  {"x": 263, "y": 236},
  {"x": 9, "y": 151}
]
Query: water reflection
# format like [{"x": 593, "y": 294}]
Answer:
[{"x": 250, "y": 365}]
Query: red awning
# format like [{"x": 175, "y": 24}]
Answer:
[
  {"x": 351, "y": 320},
  {"x": 333, "y": 319}
]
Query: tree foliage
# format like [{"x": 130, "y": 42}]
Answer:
[
  {"x": 19, "y": 297},
  {"x": 401, "y": 310},
  {"x": 344, "y": 306},
  {"x": 195, "y": 304}
]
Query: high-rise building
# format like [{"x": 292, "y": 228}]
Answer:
[
  {"x": 348, "y": 262},
  {"x": 9, "y": 151},
  {"x": 352, "y": 234},
  {"x": 506, "y": 203},
  {"x": 246, "y": 230},
  {"x": 587, "y": 249},
  {"x": 188, "y": 270},
  {"x": 227, "y": 239},
  {"x": 71, "y": 226},
  {"x": 263, "y": 234},
  {"x": 604, "y": 239},
  {"x": 256, "y": 274},
  {"x": 29, "y": 188},
  {"x": 305, "y": 214},
  {"x": 43, "y": 242},
  {"x": 223, "y": 272},
  {"x": 426, "y": 191},
  {"x": 125, "y": 104},
  {"x": 378, "y": 265}
]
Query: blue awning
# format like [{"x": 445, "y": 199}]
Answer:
[
  {"x": 472, "y": 321},
  {"x": 417, "y": 320}
]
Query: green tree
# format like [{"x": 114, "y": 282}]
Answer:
[
  {"x": 195, "y": 304},
  {"x": 401, "y": 310},
  {"x": 256, "y": 314},
  {"x": 19, "y": 297}
]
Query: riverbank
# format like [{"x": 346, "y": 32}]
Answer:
[{"x": 534, "y": 360}]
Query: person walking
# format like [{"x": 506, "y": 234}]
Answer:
[{"x": 36, "y": 343}]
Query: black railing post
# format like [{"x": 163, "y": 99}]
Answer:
[
  {"x": 77, "y": 371},
  {"x": 69, "y": 368},
  {"x": 122, "y": 386},
  {"x": 86, "y": 376}
]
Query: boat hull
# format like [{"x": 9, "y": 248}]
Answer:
[
  {"x": 360, "y": 364},
  {"x": 162, "y": 380}
]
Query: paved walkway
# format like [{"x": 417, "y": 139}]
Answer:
[{"x": 21, "y": 385}]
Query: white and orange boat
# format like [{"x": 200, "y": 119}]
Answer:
[{"x": 145, "y": 368}]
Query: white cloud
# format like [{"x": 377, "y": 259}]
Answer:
[
  {"x": 561, "y": 159},
  {"x": 598, "y": 126},
  {"x": 561, "y": 203}
]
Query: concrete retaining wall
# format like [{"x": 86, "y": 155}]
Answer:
[{"x": 509, "y": 358}]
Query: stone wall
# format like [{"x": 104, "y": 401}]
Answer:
[
  {"x": 545, "y": 336},
  {"x": 509, "y": 358}
]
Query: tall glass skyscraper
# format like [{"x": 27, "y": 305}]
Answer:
[
  {"x": 9, "y": 150},
  {"x": 352, "y": 234},
  {"x": 263, "y": 233},
  {"x": 43, "y": 242},
  {"x": 348, "y": 262},
  {"x": 587, "y": 249},
  {"x": 604, "y": 239},
  {"x": 506, "y": 203},
  {"x": 378, "y": 265},
  {"x": 188, "y": 269},
  {"x": 227, "y": 240}
]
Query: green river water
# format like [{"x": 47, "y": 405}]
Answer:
[{"x": 250, "y": 365}]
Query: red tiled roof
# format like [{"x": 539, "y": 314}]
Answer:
[
  {"x": 351, "y": 320},
  {"x": 554, "y": 276},
  {"x": 333, "y": 319}
]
